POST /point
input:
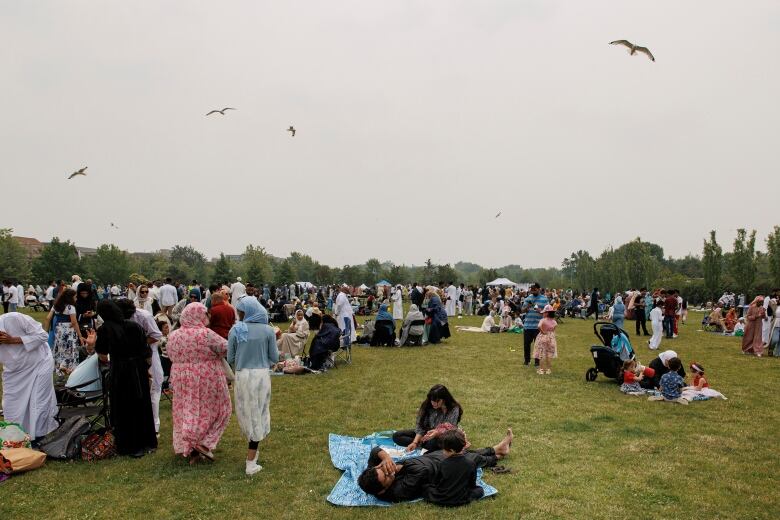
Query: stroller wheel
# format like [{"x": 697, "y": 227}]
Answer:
[{"x": 591, "y": 374}]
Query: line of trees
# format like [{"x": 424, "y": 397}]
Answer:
[{"x": 631, "y": 265}]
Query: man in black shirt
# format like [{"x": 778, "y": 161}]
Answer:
[
  {"x": 639, "y": 311},
  {"x": 411, "y": 478}
]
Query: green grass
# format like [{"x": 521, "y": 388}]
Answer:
[{"x": 581, "y": 450}]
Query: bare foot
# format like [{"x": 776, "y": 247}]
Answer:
[{"x": 502, "y": 448}]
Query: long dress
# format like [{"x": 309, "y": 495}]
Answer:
[
  {"x": 130, "y": 401},
  {"x": 546, "y": 344},
  {"x": 656, "y": 321},
  {"x": 292, "y": 343},
  {"x": 28, "y": 389},
  {"x": 752, "y": 342},
  {"x": 201, "y": 399},
  {"x": 398, "y": 306}
]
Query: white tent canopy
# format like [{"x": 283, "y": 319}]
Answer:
[
  {"x": 305, "y": 285},
  {"x": 363, "y": 286},
  {"x": 504, "y": 282}
]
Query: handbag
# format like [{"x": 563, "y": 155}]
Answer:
[
  {"x": 229, "y": 375},
  {"x": 98, "y": 446}
]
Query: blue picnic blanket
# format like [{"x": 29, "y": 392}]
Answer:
[{"x": 350, "y": 454}]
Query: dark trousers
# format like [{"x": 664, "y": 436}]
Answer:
[
  {"x": 593, "y": 309},
  {"x": 641, "y": 320},
  {"x": 405, "y": 438},
  {"x": 669, "y": 326},
  {"x": 529, "y": 335},
  {"x": 483, "y": 457}
]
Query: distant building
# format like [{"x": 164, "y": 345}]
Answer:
[{"x": 32, "y": 246}]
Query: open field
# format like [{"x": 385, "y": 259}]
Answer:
[{"x": 582, "y": 450}]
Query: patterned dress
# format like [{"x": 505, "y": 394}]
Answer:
[
  {"x": 546, "y": 344},
  {"x": 201, "y": 400},
  {"x": 66, "y": 343}
]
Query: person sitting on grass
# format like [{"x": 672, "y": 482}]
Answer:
[
  {"x": 410, "y": 479},
  {"x": 455, "y": 482},
  {"x": 672, "y": 384},
  {"x": 439, "y": 407}
]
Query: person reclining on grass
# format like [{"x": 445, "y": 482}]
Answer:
[{"x": 412, "y": 478}]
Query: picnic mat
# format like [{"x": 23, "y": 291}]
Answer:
[{"x": 350, "y": 454}]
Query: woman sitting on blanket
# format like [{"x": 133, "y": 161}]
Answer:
[
  {"x": 438, "y": 408},
  {"x": 489, "y": 322},
  {"x": 716, "y": 320},
  {"x": 660, "y": 365},
  {"x": 731, "y": 320}
]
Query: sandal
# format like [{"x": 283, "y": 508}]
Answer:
[
  {"x": 205, "y": 453},
  {"x": 500, "y": 470}
]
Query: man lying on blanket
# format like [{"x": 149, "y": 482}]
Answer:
[{"x": 411, "y": 479}]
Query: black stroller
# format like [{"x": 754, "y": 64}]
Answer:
[{"x": 614, "y": 350}]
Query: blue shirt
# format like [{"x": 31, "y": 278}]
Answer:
[
  {"x": 533, "y": 317},
  {"x": 259, "y": 351},
  {"x": 671, "y": 385}
]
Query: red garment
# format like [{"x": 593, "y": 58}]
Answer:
[
  {"x": 222, "y": 318},
  {"x": 629, "y": 377},
  {"x": 670, "y": 306},
  {"x": 696, "y": 379}
]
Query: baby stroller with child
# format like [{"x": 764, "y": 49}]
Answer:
[{"x": 614, "y": 350}]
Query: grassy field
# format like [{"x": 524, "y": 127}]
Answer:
[{"x": 581, "y": 450}]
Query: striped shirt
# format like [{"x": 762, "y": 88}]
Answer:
[{"x": 532, "y": 317}]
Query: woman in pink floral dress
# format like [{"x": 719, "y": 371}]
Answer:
[{"x": 201, "y": 400}]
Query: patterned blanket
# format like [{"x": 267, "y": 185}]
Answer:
[{"x": 350, "y": 454}]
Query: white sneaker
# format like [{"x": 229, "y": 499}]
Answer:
[{"x": 252, "y": 467}]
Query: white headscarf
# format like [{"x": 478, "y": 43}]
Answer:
[{"x": 666, "y": 355}]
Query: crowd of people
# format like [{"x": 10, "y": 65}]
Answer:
[{"x": 206, "y": 340}]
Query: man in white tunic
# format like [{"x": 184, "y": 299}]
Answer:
[
  {"x": 452, "y": 298},
  {"x": 237, "y": 290},
  {"x": 28, "y": 387},
  {"x": 343, "y": 310},
  {"x": 398, "y": 306}
]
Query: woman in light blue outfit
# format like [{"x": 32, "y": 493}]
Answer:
[
  {"x": 618, "y": 311},
  {"x": 252, "y": 351}
]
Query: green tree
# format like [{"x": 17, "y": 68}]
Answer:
[
  {"x": 257, "y": 266},
  {"x": 743, "y": 261},
  {"x": 487, "y": 275},
  {"x": 153, "y": 266},
  {"x": 445, "y": 273},
  {"x": 223, "y": 270},
  {"x": 189, "y": 262},
  {"x": 302, "y": 266},
  {"x": 373, "y": 270},
  {"x": 712, "y": 263},
  {"x": 109, "y": 264},
  {"x": 773, "y": 255},
  {"x": 58, "y": 261},
  {"x": 428, "y": 273},
  {"x": 13, "y": 258},
  {"x": 353, "y": 275}
]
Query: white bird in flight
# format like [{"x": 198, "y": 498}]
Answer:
[
  {"x": 633, "y": 49},
  {"x": 221, "y": 111},
  {"x": 292, "y": 129},
  {"x": 79, "y": 172}
]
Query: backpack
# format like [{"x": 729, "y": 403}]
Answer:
[{"x": 64, "y": 442}]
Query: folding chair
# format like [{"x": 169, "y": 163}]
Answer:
[{"x": 343, "y": 353}]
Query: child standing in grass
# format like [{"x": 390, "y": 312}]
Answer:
[{"x": 546, "y": 346}]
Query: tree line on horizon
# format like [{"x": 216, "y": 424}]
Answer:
[{"x": 632, "y": 265}]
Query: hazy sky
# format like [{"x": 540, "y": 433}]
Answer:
[{"x": 417, "y": 122}]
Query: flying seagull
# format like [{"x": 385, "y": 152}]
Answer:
[
  {"x": 498, "y": 214},
  {"x": 220, "y": 111},
  {"x": 291, "y": 129},
  {"x": 633, "y": 49},
  {"x": 80, "y": 172},
  {"x": 114, "y": 226}
]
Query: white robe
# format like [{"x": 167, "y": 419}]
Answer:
[
  {"x": 343, "y": 309},
  {"x": 452, "y": 298},
  {"x": 398, "y": 306},
  {"x": 656, "y": 321},
  {"x": 237, "y": 290},
  {"x": 28, "y": 387}
]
